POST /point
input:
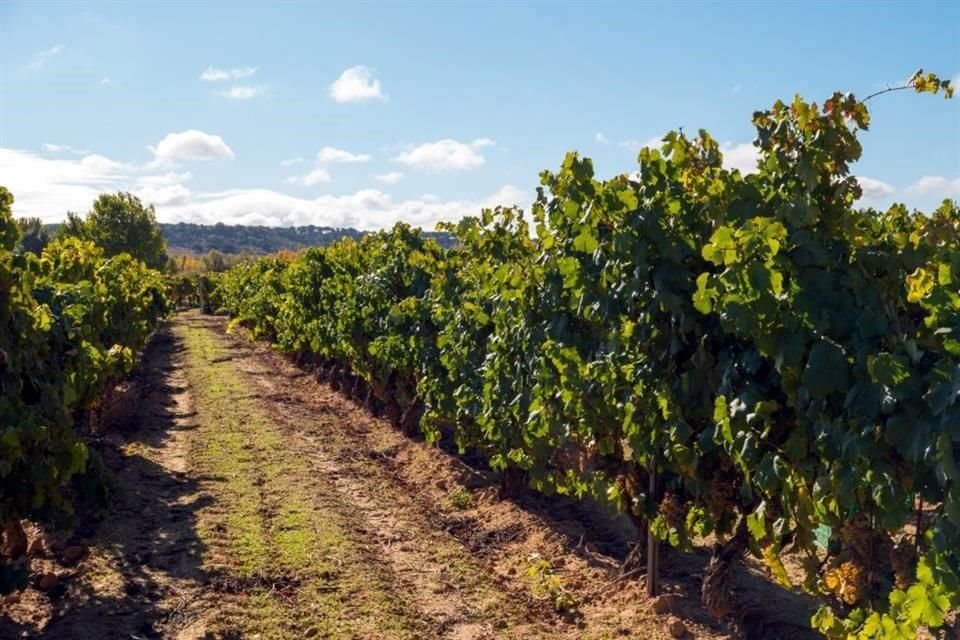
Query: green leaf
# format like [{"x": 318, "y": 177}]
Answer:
[
  {"x": 888, "y": 369},
  {"x": 827, "y": 370},
  {"x": 586, "y": 241},
  {"x": 722, "y": 248}
]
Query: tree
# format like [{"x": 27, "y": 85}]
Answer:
[
  {"x": 119, "y": 223},
  {"x": 33, "y": 236},
  {"x": 214, "y": 261},
  {"x": 74, "y": 227}
]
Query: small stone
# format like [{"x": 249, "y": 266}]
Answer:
[
  {"x": 676, "y": 627},
  {"x": 665, "y": 604},
  {"x": 73, "y": 553},
  {"x": 311, "y": 632},
  {"x": 48, "y": 581}
]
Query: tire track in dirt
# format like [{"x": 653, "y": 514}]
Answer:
[
  {"x": 453, "y": 594},
  {"x": 476, "y": 560}
]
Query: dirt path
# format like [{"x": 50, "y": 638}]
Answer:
[{"x": 254, "y": 502}]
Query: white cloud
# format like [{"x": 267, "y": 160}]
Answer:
[
  {"x": 192, "y": 144},
  {"x": 874, "y": 189},
  {"x": 393, "y": 177},
  {"x": 333, "y": 155},
  {"x": 243, "y": 92},
  {"x": 508, "y": 196},
  {"x": 48, "y": 187},
  {"x": 445, "y": 155},
  {"x": 105, "y": 80},
  {"x": 42, "y": 57},
  {"x": 291, "y": 161},
  {"x": 164, "y": 196},
  {"x": 740, "y": 156},
  {"x": 103, "y": 165},
  {"x": 635, "y": 145},
  {"x": 213, "y": 74},
  {"x": 356, "y": 84},
  {"x": 309, "y": 179},
  {"x": 936, "y": 186},
  {"x": 365, "y": 209},
  {"x": 63, "y": 148},
  {"x": 601, "y": 138}
]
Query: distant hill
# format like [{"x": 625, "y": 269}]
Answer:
[{"x": 186, "y": 237}]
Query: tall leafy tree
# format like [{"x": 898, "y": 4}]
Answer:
[{"x": 120, "y": 223}]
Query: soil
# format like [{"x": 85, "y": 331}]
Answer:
[{"x": 254, "y": 502}]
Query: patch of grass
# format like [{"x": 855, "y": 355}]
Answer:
[
  {"x": 463, "y": 499},
  {"x": 263, "y": 523}
]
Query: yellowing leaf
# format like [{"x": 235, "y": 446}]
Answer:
[{"x": 919, "y": 284}]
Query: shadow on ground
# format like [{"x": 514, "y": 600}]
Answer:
[{"x": 144, "y": 566}]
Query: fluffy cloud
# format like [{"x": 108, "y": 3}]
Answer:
[
  {"x": 356, "y": 84},
  {"x": 243, "y": 92},
  {"x": 740, "y": 156},
  {"x": 191, "y": 144},
  {"x": 445, "y": 155},
  {"x": 47, "y": 187},
  {"x": 636, "y": 145},
  {"x": 601, "y": 138},
  {"x": 365, "y": 209},
  {"x": 308, "y": 180},
  {"x": 393, "y": 177},
  {"x": 936, "y": 186},
  {"x": 213, "y": 74},
  {"x": 163, "y": 196},
  {"x": 102, "y": 165},
  {"x": 332, "y": 155},
  {"x": 63, "y": 148},
  {"x": 508, "y": 196},
  {"x": 874, "y": 189},
  {"x": 41, "y": 58}
]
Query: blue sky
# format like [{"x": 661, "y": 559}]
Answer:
[{"x": 364, "y": 114}]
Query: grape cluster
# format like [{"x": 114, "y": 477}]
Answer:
[
  {"x": 673, "y": 511},
  {"x": 902, "y": 559},
  {"x": 858, "y": 536}
]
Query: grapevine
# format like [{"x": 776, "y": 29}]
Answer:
[{"x": 784, "y": 360}]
